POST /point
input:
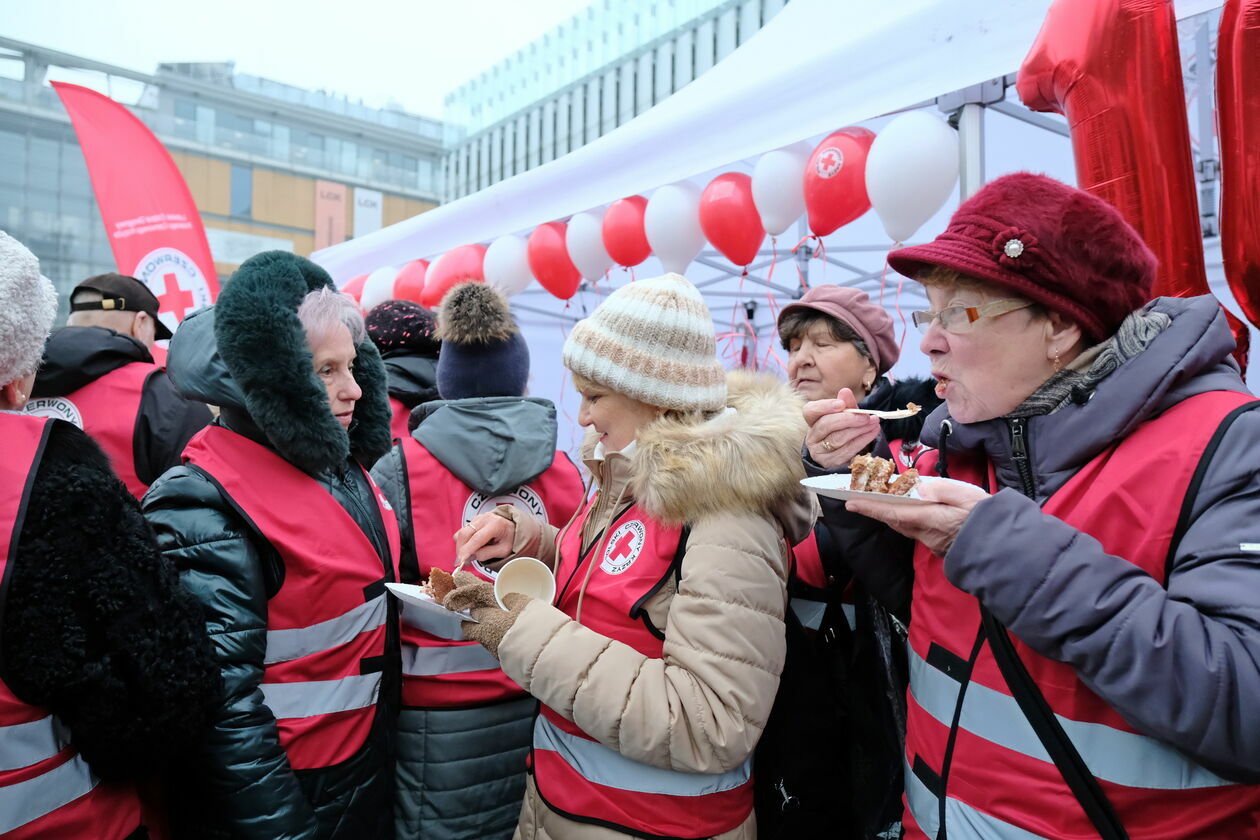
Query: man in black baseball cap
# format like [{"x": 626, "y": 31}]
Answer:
[
  {"x": 99, "y": 373},
  {"x": 118, "y": 302}
]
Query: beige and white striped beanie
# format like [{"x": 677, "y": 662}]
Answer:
[{"x": 651, "y": 340}]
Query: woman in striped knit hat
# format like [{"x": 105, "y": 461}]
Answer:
[{"x": 657, "y": 665}]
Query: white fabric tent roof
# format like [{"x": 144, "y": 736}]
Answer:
[{"x": 817, "y": 66}]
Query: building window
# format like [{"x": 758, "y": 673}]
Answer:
[{"x": 242, "y": 191}]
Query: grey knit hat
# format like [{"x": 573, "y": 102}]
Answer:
[
  {"x": 28, "y": 305},
  {"x": 651, "y": 340}
]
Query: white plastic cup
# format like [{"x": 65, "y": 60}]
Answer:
[{"x": 528, "y": 576}]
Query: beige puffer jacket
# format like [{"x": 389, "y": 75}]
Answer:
[{"x": 702, "y": 706}]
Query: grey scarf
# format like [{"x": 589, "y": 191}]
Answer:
[{"x": 1077, "y": 381}]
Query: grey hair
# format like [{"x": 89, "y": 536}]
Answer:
[{"x": 324, "y": 308}]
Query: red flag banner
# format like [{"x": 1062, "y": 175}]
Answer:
[{"x": 150, "y": 217}]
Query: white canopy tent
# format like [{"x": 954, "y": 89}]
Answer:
[{"x": 817, "y": 66}]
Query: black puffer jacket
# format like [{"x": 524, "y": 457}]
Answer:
[
  {"x": 240, "y": 783},
  {"x": 96, "y": 627}
]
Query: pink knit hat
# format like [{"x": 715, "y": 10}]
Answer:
[{"x": 855, "y": 309}]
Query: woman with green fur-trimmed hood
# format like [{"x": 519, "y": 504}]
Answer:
[{"x": 279, "y": 532}]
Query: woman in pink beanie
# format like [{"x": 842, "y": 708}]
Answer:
[
  {"x": 659, "y": 661},
  {"x": 1084, "y": 632}
]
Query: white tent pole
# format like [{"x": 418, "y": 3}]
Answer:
[{"x": 970, "y": 149}]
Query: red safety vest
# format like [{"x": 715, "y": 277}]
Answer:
[
  {"x": 576, "y": 775},
  {"x": 46, "y": 788},
  {"x": 107, "y": 409},
  {"x": 326, "y": 627},
  {"x": 398, "y": 419},
  {"x": 437, "y": 672},
  {"x": 1000, "y": 782}
]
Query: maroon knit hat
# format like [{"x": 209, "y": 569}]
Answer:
[
  {"x": 400, "y": 326},
  {"x": 856, "y": 310},
  {"x": 1043, "y": 240}
]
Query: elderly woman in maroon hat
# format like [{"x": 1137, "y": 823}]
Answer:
[{"x": 1086, "y": 593}]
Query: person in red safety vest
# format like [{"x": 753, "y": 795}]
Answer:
[
  {"x": 99, "y": 373},
  {"x": 283, "y": 537},
  {"x": 1083, "y": 634},
  {"x": 657, "y": 665},
  {"x": 480, "y": 446},
  {"x": 105, "y": 670},
  {"x": 837, "y": 338},
  {"x": 404, "y": 332}
]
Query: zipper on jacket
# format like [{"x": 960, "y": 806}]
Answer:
[{"x": 1019, "y": 454}]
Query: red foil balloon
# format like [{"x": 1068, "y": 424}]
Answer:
[
  {"x": 355, "y": 287},
  {"x": 835, "y": 180},
  {"x": 622, "y": 231},
  {"x": 549, "y": 260},
  {"x": 729, "y": 217},
  {"x": 1238, "y": 110},
  {"x": 458, "y": 265},
  {"x": 1112, "y": 67},
  {"x": 409, "y": 284}
]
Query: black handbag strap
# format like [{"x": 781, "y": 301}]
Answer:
[
  {"x": 1050, "y": 732},
  {"x": 1196, "y": 481}
]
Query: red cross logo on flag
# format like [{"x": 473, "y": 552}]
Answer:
[{"x": 175, "y": 300}]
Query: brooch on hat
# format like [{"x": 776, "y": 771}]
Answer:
[{"x": 1017, "y": 249}]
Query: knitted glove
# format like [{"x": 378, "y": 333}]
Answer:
[{"x": 477, "y": 596}]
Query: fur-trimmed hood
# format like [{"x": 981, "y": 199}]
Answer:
[
  {"x": 249, "y": 352},
  {"x": 748, "y": 459}
]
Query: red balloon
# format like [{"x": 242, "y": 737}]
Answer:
[
  {"x": 458, "y": 265},
  {"x": 409, "y": 284},
  {"x": 355, "y": 287},
  {"x": 835, "y": 180},
  {"x": 1114, "y": 69},
  {"x": 549, "y": 260},
  {"x": 1238, "y": 110},
  {"x": 729, "y": 217},
  {"x": 624, "y": 239}
]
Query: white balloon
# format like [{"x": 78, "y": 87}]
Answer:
[
  {"x": 778, "y": 187},
  {"x": 911, "y": 171},
  {"x": 672, "y": 224},
  {"x": 584, "y": 237},
  {"x": 506, "y": 266},
  {"x": 378, "y": 288}
]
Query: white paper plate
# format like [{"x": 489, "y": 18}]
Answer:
[
  {"x": 422, "y": 612},
  {"x": 837, "y": 487}
]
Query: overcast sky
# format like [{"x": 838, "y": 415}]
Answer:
[{"x": 409, "y": 51}]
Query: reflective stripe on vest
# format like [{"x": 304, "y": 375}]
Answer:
[
  {"x": 1126, "y": 758},
  {"x": 446, "y": 659},
  {"x": 321, "y": 697},
  {"x": 327, "y": 625},
  {"x": 964, "y": 821},
  {"x": 443, "y": 673},
  {"x": 596, "y": 763},
  {"x": 577, "y": 776},
  {"x": 296, "y": 642},
  {"x": 27, "y": 801},
  {"x": 999, "y": 781},
  {"x": 29, "y": 743},
  {"x": 46, "y": 788}
]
